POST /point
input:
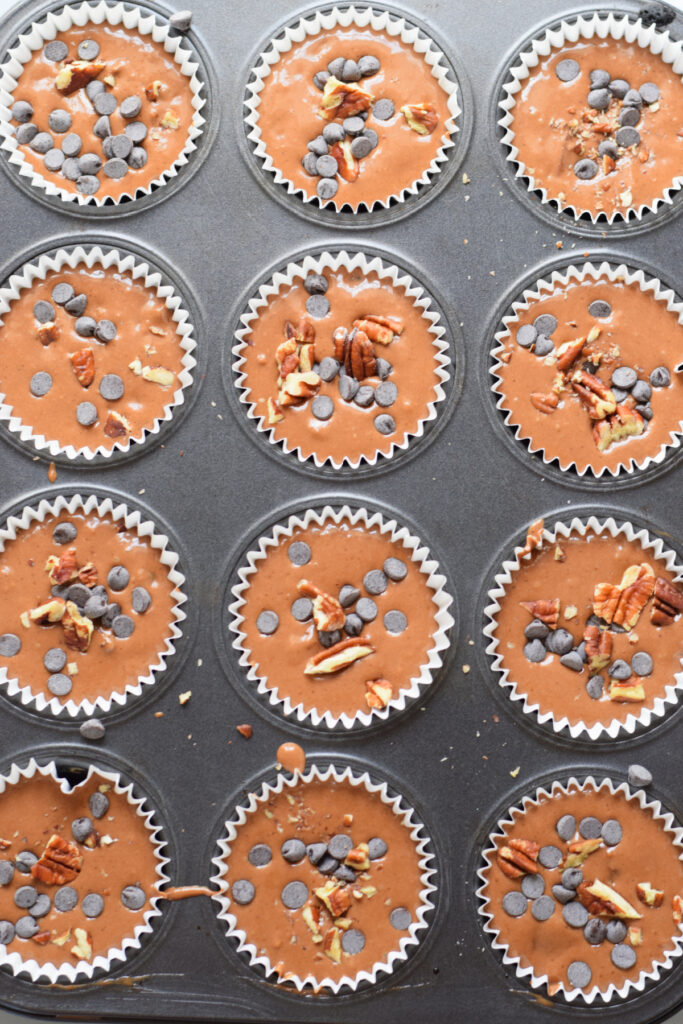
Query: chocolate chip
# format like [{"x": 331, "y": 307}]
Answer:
[
  {"x": 536, "y": 630},
  {"x": 353, "y": 625},
  {"x": 54, "y": 659},
  {"x": 572, "y": 877},
  {"x": 302, "y": 609},
  {"x": 42, "y": 906},
  {"x": 562, "y": 894},
  {"x": 567, "y": 70},
  {"x": 585, "y": 169},
  {"x": 353, "y": 941},
  {"x": 639, "y": 776},
  {"x": 89, "y": 163},
  {"x": 118, "y": 578},
  {"x": 364, "y": 396},
  {"x": 10, "y": 644},
  {"x": 599, "y": 78},
  {"x": 6, "y": 872},
  {"x": 619, "y": 87},
  {"x": 94, "y": 89},
  {"x": 328, "y": 369},
  {"x": 619, "y": 669},
  {"x": 328, "y": 638},
  {"x": 95, "y": 606},
  {"x": 43, "y": 311},
  {"x": 88, "y": 49},
  {"x": 25, "y": 896},
  {"x": 318, "y": 146},
  {"x": 526, "y": 335},
  {"x": 348, "y": 387},
  {"x": 181, "y": 20},
  {"x": 81, "y": 829},
  {"x": 123, "y": 627},
  {"x": 590, "y": 827},
  {"x": 641, "y": 391},
  {"x": 624, "y": 377},
  {"x": 130, "y": 107},
  {"x": 514, "y": 903},
  {"x": 559, "y": 641},
  {"x": 59, "y": 120},
  {"x": 543, "y": 908},
  {"x": 322, "y": 407},
  {"x": 55, "y": 51},
  {"x": 76, "y": 306},
  {"x": 600, "y": 309},
  {"x": 566, "y": 827},
  {"x": 293, "y": 850},
  {"x": 92, "y": 905},
  {"x": 400, "y": 918},
  {"x": 361, "y": 147},
  {"x": 366, "y": 609},
  {"x": 64, "y": 533},
  {"x": 115, "y": 168},
  {"x": 383, "y": 110},
  {"x": 79, "y": 594},
  {"x": 136, "y": 131},
  {"x": 633, "y": 98},
  {"x": 336, "y": 66},
  {"x": 377, "y": 848},
  {"x": 629, "y": 117},
  {"x": 550, "y": 856},
  {"x": 645, "y": 411},
  {"x": 267, "y": 622},
  {"x": 59, "y": 685},
  {"x": 92, "y": 729},
  {"x": 579, "y": 974},
  {"x": 53, "y": 160},
  {"x": 368, "y": 65},
  {"x": 294, "y": 895},
  {"x": 642, "y": 664},
  {"x": 353, "y": 126},
  {"x": 326, "y": 166},
  {"x": 350, "y": 72},
  {"x": 326, "y": 189},
  {"x": 339, "y": 846},
  {"x": 24, "y": 861},
  {"x": 85, "y": 326},
  {"x": 98, "y": 804},
  {"x": 320, "y": 78},
  {"x": 348, "y": 595},
  {"x": 70, "y": 169},
  {"x": 141, "y": 600},
  {"x": 386, "y": 394},
  {"x": 317, "y": 306},
  {"x": 111, "y": 387},
  {"x": 111, "y": 612},
  {"x": 260, "y": 855},
  {"x": 133, "y": 897},
  {"x": 395, "y": 622},
  {"x": 87, "y": 184},
  {"x": 22, "y": 111},
  {"x": 315, "y": 852},
  {"x": 27, "y": 927},
  {"x": 616, "y": 931},
  {"x": 627, "y": 137},
  {"x": 137, "y": 158},
  {"x": 299, "y": 553},
  {"x": 535, "y": 651},
  {"x": 608, "y": 147},
  {"x": 104, "y": 103},
  {"x": 611, "y": 832},
  {"x": 623, "y": 956},
  {"x": 25, "y": 132},
  {"x": 375, "y": 582},
  {"x": 533, "y": 886},
  {"x": 599, "y": 99},
  {"x": 371, "y": 135},
  {"x": 660, "y": 377},
  {"x": 385, "y": 424},
  {"x": 543, "y": 346},
  {"x": 594, "y": 687},
  {"x": 649, "y": 93},
  {"x": 575, "y": 914},
  {"x": 6, "y": 932},
  {"x": 573, "y": 661}
]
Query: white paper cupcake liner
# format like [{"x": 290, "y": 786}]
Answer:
[
  {"x": 84, "y": 970},
  {"x": 40, "y": 33},
  {"x": 37, "y": 270},
  {"x": 434, "y": 580},
  {"x": 528, "y": 974},
  {"x": 361, "y": 17},
  {"x": 646, "y": 716},
  {"x": 598, "y": 26},
  {"x": 540, "y": 290},
  {"x": 332, "y": 263},
  {"x": 132, "y": 520},
  {"x": 400, "y": 808}
]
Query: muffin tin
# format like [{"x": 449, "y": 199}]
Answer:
[{"x": 464, "y": 754}]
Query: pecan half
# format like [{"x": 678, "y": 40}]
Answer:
[
  {"x": 63, "y": 569},
  {"x": 77, "y": 628},
  {"x": 668, "y": 602},
  {"x": 47, "y": 333},
  {"x": 421, "y": 117},
  {"x": 625, "y": 422},
  {"x": 518, "y": 857},
  {"x": 348, "y": 167},
  {"x": 59, "y": 863},
  {"x": 598, "y": 647},
  {"x": 545, "y": 402},
  {"x": 116, "y": 425},
  {"x": 339, "y": 656},
  {"x": 394, "y": 323},
  {"x": 379, "y": 693},
  {"x": 83, "y": 363},
  {"x": 77, "y": 74},
  {"x": 596, "y": 397},
  {"x": 546, "y": 611},
  {"x": 623, "y": 604}
]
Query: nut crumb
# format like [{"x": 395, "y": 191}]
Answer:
[
  {"x": 466, "y": 669},
  {"x": 465, "y": 178},
  {"x": 245, "y": 730},
  {"x": 184, "y": 697},
  {"x": 158, "y": 714},
  {"x": 515, "y": 772}
]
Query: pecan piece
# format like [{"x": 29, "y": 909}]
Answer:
[
  {"x": 598, "y": 647},
  {"x": 359, "y": 857},
  {"x": 64, "y": 569},
  {"x": 546, "y": 611},
  {"x": 116, "y": 425},
  {"x": 48, "y": 613},
  {"x": 312, "y": 916},
  {"x": 648, "y": 895},
  {"x": 379, "y": 333},
  {"x": 328, "y": 614},
  {"x": 394, "y": 323},
  {"x": 343, "y": 99},
  {"x": 348, "y": 167},
  {"x": 518, "y": 858},
  {"x": 87, "y": 574},
  {"x": 604, "y": 901},
  {"x": 154, "y": 90},
  {"x": 626, "y": 692},
  {"x": 47, "y": 333},
  {"x": 421, "y": 117},
  {"x": 534, "y": 537},
  {"x": 83, "y": 363},
  {"x": 307, "y": 358},
  {"x": 339, "y": 656},
  {"x": 42, "y": 938},
  {"x": 379, "y": 693},
  {"x": 668, "y": 602},
  {"x": 274, "y": 412},
  {"x": 340, "y": 340},
  {"x": 545, "y": 402},
  {"x": 332, "y": 947},
  {"x": 76, "y": 74},
  {"x": 568, "y": 353},
  {"x": 158, "y": 375},
  {"x": 59, "y": 863},
  {"x": 301, "y": 385},
  {"x": 82, "y": 950},
  {"x": 623, "y": 604},
  {"x": 596, "y": 397},
  {"x": 579, "y": 850},
  {"x": 336, "y": 896},
  {"x": 625, "y": 422},
  {"x": 77, "y": 628},
  {"x": 677, "y": 908}
]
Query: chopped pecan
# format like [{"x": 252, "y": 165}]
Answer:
[
  {"x": 170, "y": 120},
  {"x": 328, "y": 614},
  {"x": 667, "y": 602},
  {"x": 42, "y": 938},
  {"x": 394, "y": 323},
  {"x": 154, "y": 90},
  {"x": 77, "y": 74},
  {"x": 339, "y": 656},
  {"x": 302, "y": 334},
  {"x": 335, "y": 895},
  {"x": 421, "y": 117},
  {"x": 545, "y": 402},
  {"x": 307, "y": 359},
  {"x": 379, "y": 693},
  {"x": 625, "y": 422},
  {"x": 332, "y": 946},
  {"x": 77, "y": 628},
  {"x": 63, "y": 569},
  {"x": 579, "y": 850},
  {"x": 82, "y": 950},
  {"x": 379, "y": 333},
  {"x": 568, "y": 353},
  {"x": 518, "y": 857},
  {"x": 359, "y": 857},
  {"x": 158, "y": 375},
  {"x": 340, "y": 338},
  {"x": 116, "y": 425},
  {"x": 648, "y": 895},
  {"x": 48, "y": 613},
  {"x": 274, "y": 412},
  {"x": 635, "y": 935},
  {"x": 596, "y": 397},
  {"x": 623, "y": 604},
  {"x": 343, "y": 99},
  {"x": 59, "y": 863},
  {"x": 604, "y": 901},
  {"x": 312, "y": 916},
  {"x": 598, "y": 647},
  {"x": 546, "y": 611},
  {"x": 47, "y": 333},
  {"x": 62, "y": 938},
  {"x": 677, "y": 908},
  {"x": 83, "y": 363},
  {"x": 534, "y": 537},
  {"x": 301, "y": 385},
  {"x": 347, "y": 166},
  {"x": 87, "y": 574},
  {"x": 626, "y": 692}
]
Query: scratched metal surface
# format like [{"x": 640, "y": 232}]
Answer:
[{"x": 470, "y": 494}]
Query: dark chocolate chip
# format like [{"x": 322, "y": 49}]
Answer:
[
  {"x": 638, "y": 776},
  {"x": 81, "y": 829},
  {"x": 543, "y": 908},
  {"x": 98, "y": 804},
  {"x": 88, "y": 49},
  {"x": 25, "y": 132},
  {"x": 536, "y": 630},
  {"x": 559, "y": 641},
  {"x": 599, "y": 99},
  {"x": 92, "y": 905},
  {"x": 611, "y": 832},
  {"x": 627, "y": 137},
  {"x": 361, "y": 147},
  {"x": 543, "y": 346},
  {"x": 608, "y": 147},
  {"x": 71, "y": 171},
  {"x": 318, "y": 306},
  {"x": 353, "y": 941},
  {"x": 267, "y": 622},
  {"x": 633, "y": 98},
  {"x": 64, "y": 533},
  {"x": 299, "y": 553},
  {"x": 575, "y": 914},
  {"x": 353, "y": 625},
  {"x": 348, "y": 387},
  {"x": 25, "y": 896},
  {"x": 92, "y": 729},
  {"x": 562, "y": 894},
  {"x": 616, "y": 931},
  {"x": 595, "y": 687},
  {"x": 619, "y": 87},
  {"x": 386, "y": 394},
  {"x": 348, "y": 595},
  {"x": 41, "y": 383},
  {"x": 572, "y": 877},
  {"x": 294, "y": 895},
  {"x": 375, "y": 582},
  {"x": 400, "y": 918},
  {"x": 641, "y": 391},
  {"x": 6, "y": 932},
  {"x": 350, "y": 72},
  {"x": 364, "y": 396},
  {"x": 133, "y": 897},
  {"x": 585, "y": 169},
  {"x": 137, "y": 158},
  {"x": 573, "y": 661},
  {"x": 87, "y": 184},
  {"x": 112, "y": 612},
  {"x": 660, "y": 377},
  {"x": 59, "y": 120},
  {"x": 22, "y": 111},
  {"x": 42, "y": 906},
  {"x": 645, "y": 411},
  {"x": 395, "y": 622},
  {"x": 302, "y": 609},
  {"x": 345, "y": 874},
  {"x": 340, "y": 845},
  {"x": 95, "y": 606},
  {"x": 377, "y": 848},
  {"x": 590, "y": 827},
  {"x": 111, "y": 387},
  {"x": 533, "y": 886},
  {"x": 55, "y": 51},
  {"x": 59, "y": 685},
  {"x": 328, "y": 638},
  {"x": 118, "y": 578},
  {"x": 326, "y": 166},
  {"x": 623, "y": 956},
  {"x": 366, "y": 609},
  {"x": 141, "y": 600},
  {"x": 24, "y": 861},
  {"x": 315, "y": 852},
  {"x": 566, "y": 827},
  {"x": 385, "y": 424},
  {"x": 85, "y": 326},
  {"x": 322, "y": 407},
  {"x": 336, "y": 66},
  {"x": 599, "y": 78},
  {"x": 293, "y": 850},
  {"x": 579, "y": 974},
  {"x": 368, "y": 65},
  {"x": 27, "y": 927},
  {"x": 550, "y": 856},
  {"x": 600, "y": 309},
  {"x": 624, "y": 377},
  {"x": 6, "y": 872},
  {"x": 383, "y": 110},
  {"x": 115, "y": 168},
  {"x": 371, "y": 135},
  {"x": 642, "y": 664},
  {"x": 567, "y": 70},
  {"x": 136, "y": 131},
  {"x": 130, "y": 107},
  {"x": 79, "y": 594},
  {"x": 54, "y": 659},
  {"x": 649, "y": 93},
  {"x": 526, "y": 335},
  {"x": 619, "y": 669},
  {"x": 326, "y": 189},
  {"x": 123, "y": 627},
  {"x": 629, "y": 117},
  {"x": 535, "y": 652},
  {"x": 318, "y": 146},
  {"x": 89, "y": 163},
  {"x": 353, "y": 126},
  {"x": 328, "y": 369},
  {"x": 44, "y": 312},
  {"x": 260, "y": 855},
  {"x": 514, "y": 903},
  {"x": 53, "y": 160},
  {"x": 320, "y": 78},
  {"x": 104, "y": 103}
]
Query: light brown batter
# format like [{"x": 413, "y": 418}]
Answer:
[
  {"x": 566, "y": 433},
  {"x": 110, "y": 663},
  {"x": 350, "y": 432},
  {"x": 645, "y": 853},
  {"x": 288, "y": 112},
  {"x": 33, "y": 810},
  {"x": 555, "y": 688},
  {"x": 314, "y": 812},
  {"x": 340, "y": 555},
  {"x": 547, "y": 142},
  {"x": 135, "y": 61},
  {"x": 145, "y": 331}
]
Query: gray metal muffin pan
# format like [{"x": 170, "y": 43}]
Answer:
[{"x": 468, "y": 492}]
